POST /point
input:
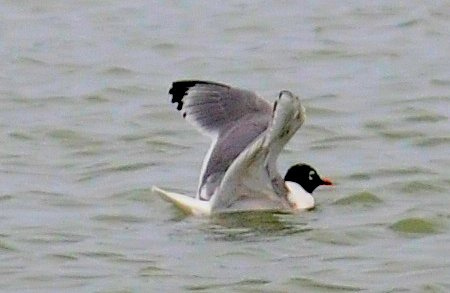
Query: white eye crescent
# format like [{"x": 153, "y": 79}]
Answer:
[{"x": 311, "y": 174}]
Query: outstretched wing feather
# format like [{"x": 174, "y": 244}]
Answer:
[{"x": 219, "y": 111}]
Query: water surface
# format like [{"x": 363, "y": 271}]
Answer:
[{"x": 86, "y": 128}]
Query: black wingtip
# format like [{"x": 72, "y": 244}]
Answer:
[
  {"x": 178, "y": 91},
  {"x": 180, "y": 88}
]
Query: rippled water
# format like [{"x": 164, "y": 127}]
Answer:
[{"x": 86, "y": 128}]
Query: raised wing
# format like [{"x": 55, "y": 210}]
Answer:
[
  {"x": 252, "y": 181},
  {"x": 232, "y": 117},
  {"x": 211, "y": 106}
]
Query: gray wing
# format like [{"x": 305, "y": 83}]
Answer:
[
  {"x": 232, "y": 117},
  {"x": 252, "y": 181}
]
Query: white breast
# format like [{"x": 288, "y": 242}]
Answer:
[{"x": 300, "y": 198}]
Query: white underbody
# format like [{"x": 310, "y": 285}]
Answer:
[{"x": 298, "y": 199}]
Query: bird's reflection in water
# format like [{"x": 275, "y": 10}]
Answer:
[{"x": 250, "y": 226}]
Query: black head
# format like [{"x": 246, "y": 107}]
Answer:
[{"x": 306, "y": 176}]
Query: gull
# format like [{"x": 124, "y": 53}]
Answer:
[{"x": 239, "y": 171}]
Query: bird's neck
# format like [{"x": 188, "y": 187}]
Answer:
[{"x": 299, "y": 197}]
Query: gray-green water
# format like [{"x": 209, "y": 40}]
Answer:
[{"x": 86, "y": 128}]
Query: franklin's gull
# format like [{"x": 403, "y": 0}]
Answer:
[{"x": 248, "y": 133}]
